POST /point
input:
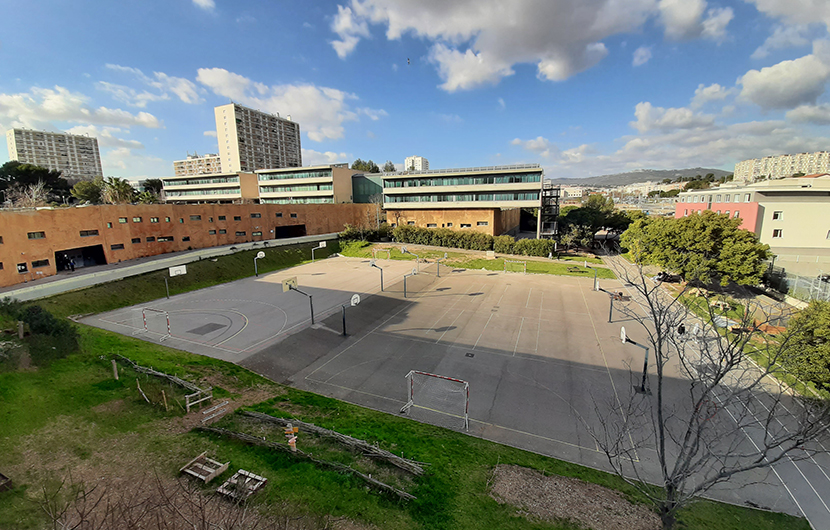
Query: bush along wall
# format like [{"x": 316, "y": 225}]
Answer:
[
  {"x": 51, "y": 337},
  {"x": 470, "y": 240}
]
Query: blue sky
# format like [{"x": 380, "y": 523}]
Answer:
[{"x": 584, "y": 87}]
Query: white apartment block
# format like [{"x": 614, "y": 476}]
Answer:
[
  {"x": 572, "y": 192},
  {"x": 781, "y": 166},
  {"x": 197, "y": 165},
  {"x": 415, "y": 163},
  {"x": 218, "y": 187},
  {"x": 330, "y": 184},
  {"x": 73, "y": 155},
  {"x": 250, "y": 139}
]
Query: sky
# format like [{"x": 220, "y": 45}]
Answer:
[{"x": 583, "y": 87}]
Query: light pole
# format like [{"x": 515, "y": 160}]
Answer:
[
  {"x": 381, "y": 274},
  {"x": 438, "y": 262},
  {"x": 417, "y": 259},
  {"x": 643, "y": 388},
  {"x": 259, "y": 255},
  {"x": 405, "y": 276},
  {"x": 595, "y": 277},
  {"x": 322, "y": 245}
]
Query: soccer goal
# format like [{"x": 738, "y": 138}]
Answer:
[
  {"x": 156, "y": 321},
  {"x": 437, "y": 399},
  {"x": 515, "y": 266}
]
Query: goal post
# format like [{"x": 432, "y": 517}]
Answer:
[
  {"x": 156, "y": 321},
  {"x": 437, "y": 399},
  {"x": 522, "y": 265}
]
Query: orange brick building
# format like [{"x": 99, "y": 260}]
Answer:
[{"x": 38, "y": 243}]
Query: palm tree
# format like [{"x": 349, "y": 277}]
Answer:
[{"x": 117, "y": 191}]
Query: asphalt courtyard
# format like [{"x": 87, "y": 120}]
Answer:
[{"x": 537, "y": 351}]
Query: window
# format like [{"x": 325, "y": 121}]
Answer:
[
  {"x": 465, "y": 225},
  {"x": 256, "y": 215},
  {"x": 136, "y": 240},
  {"x": 165, "y": 239},
  {"x": 119, "y": 246},
  {"x": 37, "y": 235},
  {"x": 256, "y": 233},
  {"x": 195, "y": 217},
  {"x": 685, "y": 213},
  {"x": 237, "y": 217},
  {"x": 181, "y": 220},
  {"x": 777, "y": 216},
  {"x": 109, "y": 225},
  {"x": 293, "y": 216},
  {"x": 154, "y": 219},
  {"x": 746, "y": 197},
  {"x": 777, "y": 233},
  {"x": 186, "y": 238},
  {"x": 221, "y": 217},
  {"x": 223, "y": 231},
  {"x": 482, "y": 223},
  {"x": 240, "y": 234},
  {"x": 449, "y": 225},
  {"x": 89, "y": 233},
  {"x": 40, "y": 263},
  {"x": 718, "y": 212},
  {"x": 136, "y": 219},
  {"x": 1, "y": 265},
  {"x": 727, "y": 213},
  {"x": 737, "y": 214},
  {"x": 150, "y": 239},
  {"x": 279, "y": 214},
  {"x": 122, "y": 220},
  {"x": 410, "y": 223},
  {"x": 22, "y": 268},
  {"x": 212, "y": 232},
  {"x": 166, "y": 219},
  {"x": 432, "y": 225},
  {"x": 210, "y": 219},
  {"x": 828, "y": 235},
  {"x": 717, "y": 198},
  {"x": 726, "y": 197}
]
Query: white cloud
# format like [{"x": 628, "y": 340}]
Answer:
[
  {"x": 182, "y": 88},
  {"x": 210, "y": 133},
  {"x": 681, "y": 18},
  {"x": 796, "y": 12},
  {"x": 105, "y": 136},
  {"x": 316, "y": 158},
  {"x": 782, "y": 37},
  {"x": 705, "y": 94},
  {"x": 321, "y": 111},
  {"x": 44, "y": 108},
  {"x": 651, "y": 118},
  {"x": 349, "y": 28},
  {"x": 207, "y": 5},
  {"x": 641, "y": 56},
  {"x": 817, "y": 114},
  {"x": 714, "y": 27},
  {"x": 502, "y": 104},
  {"x": 373, "y": 114},
  {"x": 478, "y": 42},
  {"x": 449, "y": 119},
  {"x": 539, "y": 145},
  {"x": 138, "y": 166},
  {"x": 787, "y": 84}
]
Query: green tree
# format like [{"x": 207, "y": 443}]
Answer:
[
  {"x": 153, "y": 185},
  {"x": 389, "y": 167},
  {"x": 89, "y": 190},
  {"x": 809, "y": 336},
  {"x": 706, "y": 247},
  {"x": 117, "y": 191},
  {"x": 365, "y": 166},
  {"x": 25, "y": 175},
  {"x": 696, "y": 184}
]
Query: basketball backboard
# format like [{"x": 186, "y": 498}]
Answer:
[{"x": 288, "y": 284}]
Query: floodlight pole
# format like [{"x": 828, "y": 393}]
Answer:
[
  {"x": 438, "y": 262},
  {"x": 595, "y": 277},
  {"x": 381, "y": 276},
  {"x": 643, "y": 388},
  {"x": 343, "y": 310},
  {"x": 611, "y": 308},
  {"x": 256, "y": 270},
  {"x": 316, "y": 248},
  {"x": 405, "y": 276},
  {"x": 167, "y": 287},
  {"x": 417, "y": 259},
  {"x": 310, "y": 301}
]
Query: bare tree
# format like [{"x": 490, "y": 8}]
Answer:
[
  {"x": 28, "y": 195},
  {"x": 377, "y": 201},
  {"x": 705, "y": 413}
]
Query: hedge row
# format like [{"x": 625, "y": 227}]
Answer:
[
  {"x": 468, "y": 239},
  {"x": 353, "y": 233}
]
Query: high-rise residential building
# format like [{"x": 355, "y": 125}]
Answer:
[
  {"x": 251, "y": 139},
  {"x": 75, "y": 156},
  {"x": 197, "y": 165},
  {"x": 782, "y": 166},
  {"x": 415, "y": 163}
]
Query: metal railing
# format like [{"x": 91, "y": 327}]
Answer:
[{"x": 462, "y": 170}]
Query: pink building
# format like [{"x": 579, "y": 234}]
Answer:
[{"x": 736, "y": 203}]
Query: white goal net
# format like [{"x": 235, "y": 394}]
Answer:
[
  {"x": 156, "y": 322},
  {"x": 437, "y": 399}
]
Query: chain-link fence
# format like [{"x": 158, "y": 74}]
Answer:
[{"x": 805, "y": 288}]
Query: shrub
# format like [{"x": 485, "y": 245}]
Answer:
[
  {"x": 352, "y": 233},
  {"x": 533, "y": 247},
  {"x": 52, "y": 338},
  {"x": 503, "y": 244}
]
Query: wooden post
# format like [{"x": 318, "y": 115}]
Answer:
[
  {"x": 142, "y": 392},
  {"x": 164, "y": 397},
  {"x": 114, "y": 370},
  {"x": 19, "y": 329}
]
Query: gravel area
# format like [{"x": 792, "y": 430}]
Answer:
[{"x": 554, "y": 498}]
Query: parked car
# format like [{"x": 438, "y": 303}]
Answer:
[
  {"x": 667, "y": 277},
  {"x": 824, "y": 278}
]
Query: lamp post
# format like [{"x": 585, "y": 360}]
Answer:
[
  {"x": 417, "y": 259},
  {"x": 595, "y": 277},
  {"x": 643, "y": 388},
  {"x": 259, "y": 255},
  {"x": 381, "y": 274}
]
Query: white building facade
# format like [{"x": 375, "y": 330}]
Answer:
[
  {"x": 251, "y": 139},
  {"x": 781, "y": 166},
  {"x": 198, "y": 165},
  {"x": 415, "y": 163},
  {"x": 75, "y": 156}
]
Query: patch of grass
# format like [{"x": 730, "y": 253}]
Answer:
[{"x": 200, "y": 274}]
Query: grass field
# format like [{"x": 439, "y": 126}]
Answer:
[
  {"x": 362, "y": 249},
  {"x": 72, "y": 416}
]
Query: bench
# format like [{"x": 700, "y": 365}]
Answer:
[{"x": 576, "y": 269}]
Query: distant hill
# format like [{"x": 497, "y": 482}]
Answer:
[{"x": 639, "y": 175}]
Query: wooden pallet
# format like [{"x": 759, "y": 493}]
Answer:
[{"x": 204, "y": 468}]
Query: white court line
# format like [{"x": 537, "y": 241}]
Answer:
[
  {"x": 457, "y": 298},
  {"x": 516, "y": 347},
  {"x": 527, "y": 305},
  {"x": 483, "y": 330}
]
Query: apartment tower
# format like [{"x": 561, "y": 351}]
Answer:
[
  {"x": 75, "y": 156},
  {"x": 251, "y": 139},
  {"x": 415, "y": 163}
]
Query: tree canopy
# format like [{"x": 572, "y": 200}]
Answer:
[
  {"x": 153, "y": 185},
  {"x": 368, "y": 166},
  {"x": 706, "y": 247},
  {"x": 89, "y": 190},
  {"x": 809, "y": 336},
  {"x": 578, "y": 224},
  {"x": 389, "y": 167},
  {"x": 25, "y": 175}
]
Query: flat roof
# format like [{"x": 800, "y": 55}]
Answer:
[
  {"x": 301, "y": 168},
  {"x": 482, "y": 169}
]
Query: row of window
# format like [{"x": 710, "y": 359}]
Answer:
[
  {"x": 462, "y": 181},
  {"x": 299, "y": 200},
  {"x": 219, "y": 191},
  {"x": 464, "y": 197},
  {"x": 169, "y": 239},
  {"x": 448, "y": 225},
  {"x": 736, "y": 215},
  {"x": 720, "y": 197},
  {"x": 189, "y": 182},
  {"x": 23, "y": 268},
  {"x": 306, "y": 187},
  {"x": 300, "y": 175}
]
